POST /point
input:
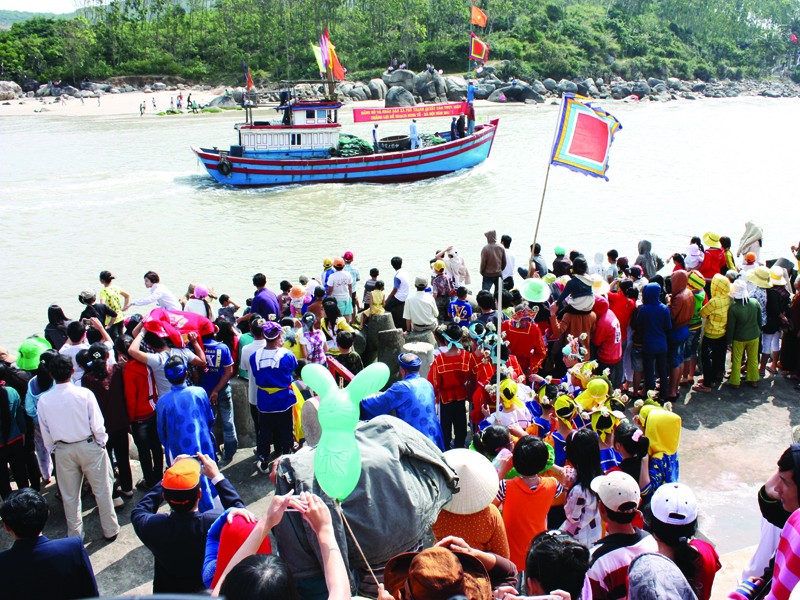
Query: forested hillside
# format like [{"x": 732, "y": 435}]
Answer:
[{"x": 206, "y": 40}]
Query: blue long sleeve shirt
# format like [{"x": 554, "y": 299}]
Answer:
[{"x": 413, "y": 401}]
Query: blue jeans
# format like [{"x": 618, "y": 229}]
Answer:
[
  {"x": 225, "y": 415},
  {"x": 655, "y": 365}
]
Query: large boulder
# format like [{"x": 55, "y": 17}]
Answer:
[
  {"x": 429, "y": 86},
  {"x": 43, "y": 90},
  {"x": 521, "y": 92},
  {"x": 377, "y": 89},
  {"x": 399, "y": 78},
  {"x": 676, "y": 84},
  {"x": 69, "y": 90},
  {"x": 621, "y": 90},
  {"x": 483, "y": 91},
  {"x": 567, "y": 87},
  {"x": 653, "y": 82},
  {"x": 356, "y": 91},
  {"x": 30, "y": 85},
  {"x": 589, "y": 85},
  {"x": 399, "y": 96},
  {"x": 10, "y": 90},
  {"x": 498, "y": 96},
  {"x": 550, "y": 84},
  {"x": 699, "y": 87},
  {"x": 494, "y": 80},
  {"x": 772, "y": 92},
  {"x": 640, "y": 89},
  {"x": 538, "y": 87},
  {"x": 226, "y": 101},
  {"x": 456, "y": 88},
  {"x": 158, "y": 86}
]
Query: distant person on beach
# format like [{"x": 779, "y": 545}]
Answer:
[
  {"x": 154, "y": 104},
  {"x": 159, "y": 294},
  {"x": 141, "y": 109},
  {"x": 375, "y": 144},
  {"x": 453, "y": 129}
]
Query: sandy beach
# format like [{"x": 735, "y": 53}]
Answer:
[{"x": 127, "y": 104}]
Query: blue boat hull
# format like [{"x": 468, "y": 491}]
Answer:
[{"x": 388, "y": 167}]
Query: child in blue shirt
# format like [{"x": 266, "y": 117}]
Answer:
[{"x": 460, "y": 310}]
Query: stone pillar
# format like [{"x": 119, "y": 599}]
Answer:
[
  {"x": 425, "y": 352},
  {"x": 375, "y": 325},
  {"x": 241, "y": 415},
  {"x": 390, "y": 345}
]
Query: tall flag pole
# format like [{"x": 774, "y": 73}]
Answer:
[
  {"x": 476, "y": 17},
  {"x": 581, "y": 143}
]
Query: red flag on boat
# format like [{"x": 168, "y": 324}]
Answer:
[
  {"x": 478, "y": 49},
  {"x": 794, "y": 38},
  {"x": 478, "y": 17},
  {"x": 329, "y": 58},
  {"x": 249, "y": 85}
]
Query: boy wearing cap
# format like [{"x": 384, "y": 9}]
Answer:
[
  {"x": 460, "y": 310},
  {"x": 101, "y": 312},
  {"x": 273, "y": 368},
  {"x": 178, "y": 539},
  {"x": 610, "y": 557},
  {"x": 340, "y": 286},
  {"x": 442, "y": 289}
]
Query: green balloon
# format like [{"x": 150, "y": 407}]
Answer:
[{"x": 337, "y": 460}]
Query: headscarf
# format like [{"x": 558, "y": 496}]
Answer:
[{"x": 752, "y": 233}]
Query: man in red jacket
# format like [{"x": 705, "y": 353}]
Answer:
[
  {"x": 713, "y": 260},
  {"x": 607, "y": 339},
  {"x": 141, "y": 395}
]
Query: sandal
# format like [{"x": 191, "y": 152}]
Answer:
[{"x": 701, "y": 388}]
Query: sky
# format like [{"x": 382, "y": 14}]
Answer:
[{"x": 54, "y": 6}]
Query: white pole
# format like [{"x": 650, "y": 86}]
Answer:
[{"x": 499, "y": 337}]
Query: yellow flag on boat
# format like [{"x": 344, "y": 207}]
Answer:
[{"x": 318, "y": 55}]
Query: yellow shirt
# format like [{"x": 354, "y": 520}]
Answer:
[
  {"x": 377, "y": 298},
  {"x": 111, "y": 297}
]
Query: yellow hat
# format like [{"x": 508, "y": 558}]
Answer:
[
  {"x": 711, "y": 240},
  {"x": 439, "y": 265},
  {"x": 327, "y": 263}
]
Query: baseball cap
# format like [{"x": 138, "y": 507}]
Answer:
[
  {"x": 420, "y": 282},
  {"x": 86, "y": 295},
  {"x": 674, "y": 504},
  {"x": 272, "y": 330},
  {"x": 183, "y": 475},
  {"x": 327, "y": 263},
  {"x": 338, "y": 262},
  {"x": 200, "y": 291},
  {"x": 439, "y": 265},
  {"x": 617, "y": 491},
  {"x": 348, "y": 256}
]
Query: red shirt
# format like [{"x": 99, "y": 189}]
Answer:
[
  {"x": 526, "y": 344},
  {"x": 713, "y": 263},
  {"x": 140, "y": 390},
  {"x": 449, "y": 376},
  {"x": 623, "y": 308}
]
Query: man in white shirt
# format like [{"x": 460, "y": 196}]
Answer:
[
  {"x": 396, "y": 299},
  {"x": 73, "y": 427},
  {"x": 340, "y": 287},
  {"x": 245, "y": 353},
  {"x": 159, "y": 294},
  {"x": 76, "y": 341},
  {"x": 420, "y": 310},
  {"x": 412, "y": 132},
  {"x": 508, "y": 270}
]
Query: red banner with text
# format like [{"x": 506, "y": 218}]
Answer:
[{"x": 422, "y": 111}]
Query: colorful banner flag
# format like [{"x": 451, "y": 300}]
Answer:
[
  {"x": 325, "y": 50},
  {"x": 478, "y": 17},
  {"x": 336, "y": 66},
  {"x": 249, "y": 85},
  {"x": 478, "y": 49},
  {"x": 449, "y": 109},
  {"x": 318, "y": 55},
  {"x": 584, "y": 137}
]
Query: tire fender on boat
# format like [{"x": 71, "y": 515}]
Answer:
[{"x": 224, "y": 167}]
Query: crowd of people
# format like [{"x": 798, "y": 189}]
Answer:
[{"x": 542, "y": 413}]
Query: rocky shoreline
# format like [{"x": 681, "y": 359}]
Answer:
[{"x": 406, "y": 88}]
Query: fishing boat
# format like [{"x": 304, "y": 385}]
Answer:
[{"x": 301, "y": 146}]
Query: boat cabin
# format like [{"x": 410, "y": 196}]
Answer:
[{"x": 306, "y": 129}]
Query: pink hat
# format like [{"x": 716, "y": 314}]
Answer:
[{"x": 200, "y": 291}]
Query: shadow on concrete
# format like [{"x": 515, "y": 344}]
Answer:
[
  {"x": 725, "y": 404},
  {"x": 128, "y": 572}
]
